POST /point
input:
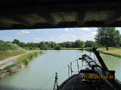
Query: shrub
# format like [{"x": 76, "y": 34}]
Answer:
[
  {"x": 100, "y": 51},
  {"x": 88, "y": 48},
  {"x": 96, "y": 47},
  {"x": 57, "y": 47},
  {"x": 117, "y": 55},
  {"x": 8, "y": 67},
  {"x": 26, "y": 61}
]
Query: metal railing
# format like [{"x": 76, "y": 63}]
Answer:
[{"x": 14, "y": 62}]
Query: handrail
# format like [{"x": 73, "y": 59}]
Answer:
[{"x": 14, "y": 62}]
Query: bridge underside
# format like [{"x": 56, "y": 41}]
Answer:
[{"x": 35, "y": 14}]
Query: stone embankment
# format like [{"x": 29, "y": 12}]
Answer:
[{"x": 9, "y": 72}]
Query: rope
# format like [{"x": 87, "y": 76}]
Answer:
[
  {"x": 90, "y": 54},
  {"x": 63, "y": 76},
  {"x": 47, "y": 81},
  {"x": 62, "y": 68},
  {"x": 53, "y": 76}
]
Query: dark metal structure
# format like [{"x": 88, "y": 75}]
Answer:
[
  {"x": 93, "y": 78},
  {"x": 34, "y": 14}
]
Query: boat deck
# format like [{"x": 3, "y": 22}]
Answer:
[{"x": 77, "y": 82}]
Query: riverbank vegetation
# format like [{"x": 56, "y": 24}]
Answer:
[
  {"x": 25, "y": 59},
  {"x": 105, "y": 37},
  {"x": 112, "y": 51},
  {"x": 7, "y": 49},
  {"x": 57, "y": 47}
]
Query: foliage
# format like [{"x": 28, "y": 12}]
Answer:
[
  {"x": 100, "y": 51},
  {"x": 88, "y": 48},
  {"x": 8, "y": 67},
  {"x": 16, "y": 41},
  {"x": 7, "y": 49},
  {"x": 26, "y": 58},
  {"x": 108, "y": 37},
  {"x": 57, "y": 47},
  {"x": 82, "y": 44},
  {"x": 44, "y": 47},
  {"x": 8, "y": 46},
  {"x": 117, "y": 55}
]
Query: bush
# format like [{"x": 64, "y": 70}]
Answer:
[
  {"x": 117, "y": 55},
  {"x": 57, "y": 47},
  {"x": 44, "y": 47},
  {"x": 26, "y": 61},
  {"x": 8, "y": 67},
  {"x": 96, "y": 47},
  {"x": 100, "y": 51},
  {"x": 88, "y": 48}
]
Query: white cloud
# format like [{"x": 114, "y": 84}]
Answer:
[
  {"x": 51, "y": 39},
  {"x": 94, "y": 33},
  {"x": 25, "y": 32},
  {"x": 38, "y": 30},
  {"x": 66, "y": 29},
  {"x": 85, "y": 29},
  {"x": 22, "y": 32},
  {"x": 19, "y": 33},
  {"x": 38, "y": 38},
  {"x": 5, "y": 37},
  {"x": 46, "y": 32},
  {"x": 85, "y": 37},
  {"x": 27, "y": 38},
  {"x": 63, "y": 37}
]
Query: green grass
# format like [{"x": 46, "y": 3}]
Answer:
[
  {"x": 70, "y": 48},
  {"x": 26, "y": 58},
  {"x": 8, "y": 49},
  {"x": 88, "y": 48},
  {"x": 117, "y": 55},
  {"x": 9, "y": 53},
  {"x": 100, "y": 51}
]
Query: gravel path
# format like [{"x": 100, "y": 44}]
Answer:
[{"x": 14, "y": 57}]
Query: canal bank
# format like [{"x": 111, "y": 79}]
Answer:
[
  {"x": 36, "y": 74},
  {"x": 21, "y": 62}
]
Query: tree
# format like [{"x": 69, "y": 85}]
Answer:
[
  {"x": 16, "y": 41},
  {"x": 82, "y": 45},
  {"x": 89, "y": 43},
  {"x": 22, "y": 44},
  {"x": 108, "y": 36},
  {"x": 44, "y": 47},
  {"x": 57, "y": 47}
]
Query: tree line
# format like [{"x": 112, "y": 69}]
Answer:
[
  {"x": 45, "y": 45},
  {"x": 105, "y": 37}
]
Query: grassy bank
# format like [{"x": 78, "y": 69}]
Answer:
[
  {"x": 71, "y": 48},
  {"x": 25, "y": 59},
  {"x": 112, "y": 51},
  {"x": 8, "y": 49}
]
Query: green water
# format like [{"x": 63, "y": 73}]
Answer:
[{"x": 36, "y": 74}]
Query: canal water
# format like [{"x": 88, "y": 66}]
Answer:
[{"x": 39, "y": 74}]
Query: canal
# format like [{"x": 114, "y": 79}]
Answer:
[{"x": 39, "y": 74}]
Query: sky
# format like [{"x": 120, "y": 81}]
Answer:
[{"x": 57, "y": 35}]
